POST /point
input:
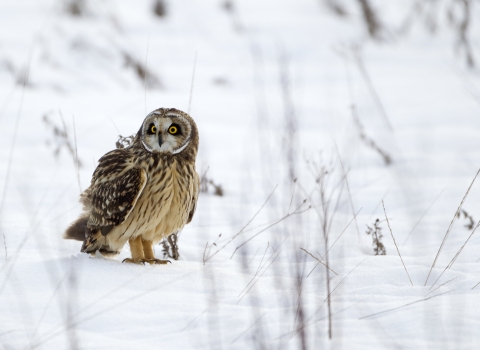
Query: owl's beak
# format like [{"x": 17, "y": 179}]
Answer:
[{"x": 160, "y": 140}]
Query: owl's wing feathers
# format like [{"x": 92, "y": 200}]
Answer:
[
  {"x": 116, "y": 186},
  {"x": 193, "y": 206}
]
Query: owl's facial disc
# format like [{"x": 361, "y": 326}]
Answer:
[{"x": 166, "y": 133}]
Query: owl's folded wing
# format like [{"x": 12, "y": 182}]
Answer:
[
  {"x": 193, "y": 205},
  {"x": 116, "y": 186}
]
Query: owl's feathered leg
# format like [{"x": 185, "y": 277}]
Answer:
[
  {"x": 136, "y": 248},
  {"x": 149, "y": 254}
]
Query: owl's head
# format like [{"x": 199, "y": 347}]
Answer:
[{"x": 168, "y": 131}]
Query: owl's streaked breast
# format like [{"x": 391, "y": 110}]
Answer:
[{"x": 164, "y": 205}]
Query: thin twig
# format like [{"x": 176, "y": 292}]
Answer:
[
  {"x": 400, "y": 307},
  {"x": 450, "y": 264},
  {"x": 48, "y": 305},
  {"x": 394, "y": 242},
  {"x": 258, "y": 278},
  {"x": 260, "y": 266},
  {"x": 441, "y": 286},
  {"x": 421, "y": 217},
  {"x": 191, "y": 85},
  {"x": 207, "y": 256},
  {"x": 361, "y": 66},
  {"x": 334, "y": 242},
  {"x": 299, "y": 281},
  {"x": 146, "y": 73},
  {"x": 76, "y": 155},
  {"x": 450, "y": 227},
  {"x": 12, "y": 148},
  {"x": 34, "y": 226},
  {"x": 72, "y": 324},
  {"x": 343, "y": 279},
  {"x": 319, "y": 261},
  {"x": 296, "y": 212},
  {"x": 245, "y": 331},
  {"x": 348, "y": 190},
  {"x": 196, "y": 318}
]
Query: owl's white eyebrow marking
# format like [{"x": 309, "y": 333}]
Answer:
[
  {"x": 146, "y": 147},
  {"x": 178, "y": 150}
]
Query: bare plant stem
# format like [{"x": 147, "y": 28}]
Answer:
[
  {"x": 421, "y": 217},
  {"x": 343, "y": 279},
  {"x": 450, "y": 227},
  {"x": 349, "y": 194},
  {"x": 146, "y": 74},
  {"x": 361, "y": 66},
  {"x": 340, "y": 235},
  {"x": 319, "y": 261},
  {"x": 207, "y": 256},
  {"x": 75, "y": 323},
  {"x": 400, "y": 307},
  {"x": 258, "y": 278},
  {"x": 441, "y": 286},
  {"x": 394, "y": 242},
  {"x": 450, "y": 264},
  {"x": 12, "y": 148},
  {"x": 191, "y": 85},
  {"x": 296, "y": 212},
  {"x": 76, "y": 155}
]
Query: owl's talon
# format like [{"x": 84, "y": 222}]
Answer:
[
  {"x": 134, "y": 261},
  {"x": 158, "y": 261}
]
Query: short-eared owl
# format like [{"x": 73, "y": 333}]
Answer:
[{"x": 144, "y": 192}]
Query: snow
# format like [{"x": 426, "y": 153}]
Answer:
[{"x": 264, "y": 294}]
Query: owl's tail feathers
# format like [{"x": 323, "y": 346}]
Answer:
[
  {"x": 77, "y": 229},
  {"x": 93, "y": 242}
]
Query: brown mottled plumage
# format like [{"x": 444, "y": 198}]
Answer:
[{"x": 142, "y": 193}]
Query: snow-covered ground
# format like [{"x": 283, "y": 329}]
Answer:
[{"x": 282, "y": 90}]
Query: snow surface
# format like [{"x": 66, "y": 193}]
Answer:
[{"x": 258, "y": 67}]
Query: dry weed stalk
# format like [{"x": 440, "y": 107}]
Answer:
[
  {"x": 471, "y": 222},
  {"x": 76, "y": 8},
  {"x": 191, "y": 85},
  {"x": 65, "y": 327},
  {"x": 262, "y": 268},
  {"x": 12, "y": 151},
  {"x": 291, "y": 123},
  {"x": 459, "y": 14},
  {"x": 326, "y": 213},
  {"x": 461, "y": 25},
  {"x": 376, "y": 232},
  {"x": 371, "y": 19},
  {"x": 124, "y": 141},
  {"x": 336, "y": 8},
  {"x": 160, "y": 8},
  {"x": 170, "y": 246},
  {"x": 61, "y": 139},
  {"x": 357, "y": 56},
  {"x": 395, "y": 242},
  {"x": 147, "y": 77},
  {"x": 450, "y": 264},
  {"x": 206, "y": 183},
  {"x": 455, "y": 216},
  {"x": 331, "y": 246},
  {"x": 344, "y": 173},
  {"x": 367, "y": 140},
  {"x": 405, "y": 305},
  {"x": 318, "y": 259},
  {"x": 421, "y": 217},
  {"x": 230, "y": 7}
]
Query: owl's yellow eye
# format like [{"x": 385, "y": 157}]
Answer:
[
  {"x": 153, "y": 129},
  {"x": 173, "y": 130}
]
